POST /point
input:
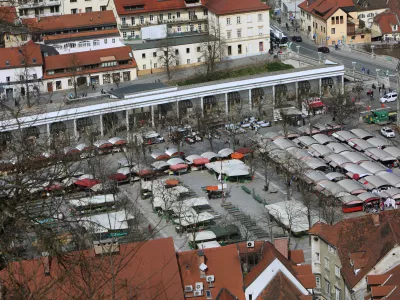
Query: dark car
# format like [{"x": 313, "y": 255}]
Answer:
[
  {"x": 323, "y": 49},
  {"x": 297, "y": 39}
]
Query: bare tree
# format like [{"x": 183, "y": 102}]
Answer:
[
  {"x": 168, "y": 56},
  {"x": 341, "y": 107}
]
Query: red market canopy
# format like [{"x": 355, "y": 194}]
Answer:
[
  {"x": 171, "y": 182},
  {"x": 117, "y": 141},
  {"x": 117, "y": 177},
  {"x": 236, "y": 155},
  {"x": 244, "y": 150},
  {"x": 54, "y": 187},
  {"x": 87, "y": 182},
  {"x": 71, "y": 151},
  {"x": 316, "y": 104},
  {"x": 163, "y": 157},
  {"x": 103, "y": 144},
  {"x": 178, "y": 167},
  {"x": 201, "y": 161},
  {"x": 212, "y": 188},
  {"x": 143, "y": 173}
]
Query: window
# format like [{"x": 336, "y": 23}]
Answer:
[
  {"x": 318, "y": 281},
  {"x": 249, "y": 31},
  {"x": 333, "y": 31},
  {"x": 151, "y": 17},
  {"x": 229, "y": 50},
  {"x": 103, "y": 7},
  {"x": 199, "y": 27},
  {"x": 141, "y": 20},
  {"x": 178, "y": 14},
  {"x": 108, "y": 64},
  {"x": 74, "y": 11},
  {"x": 143, "y": 55},
  {"x": 161, "y": 16},
  {"x": 337, "y": 20},
  {"x": 370, "y": 15},
  {"x": 169, "y": 16},
  {"x": 239, "y": 33},
  {"x": 177, "y": 63},
  {"x": 333, "y": 20},
  {"x": 154, "y": 54},
  {"x": 260, "y": 31},
  {"x": 34, "y": 60},
  {"x": 239, "y": 49},
  {"x": 317, "y": 257},
  {"x": 249, "y": 19},
  {"x": 96, "y": 43},
  {"x": 188, "y": 61},
  {"x": 88, "y": 9},
  {"x": 69, "y": 82},
  {"x": 123, "y": 20},
  {"x": 155, "y": 65},
  {"x": 54, "y": 9},
  {"x": 179, "y": 28},
  {"x": 8, "y": 78},
  {"x": 327, "y": 287},
  {"x": 331, "y": 249},
  {"x": 337, "y": 271},
  {"x": 205, "y": 12},
  {"x": 105, "y": 40},
  {"x": 361, "y": 16},
  {"x": 362, "y": 36},
  {"x": 326, "y": 263},
  {"x": 238, "y": 20},
  {"x": 144, "y": 67},
  {"x": 24, "y": 38},
  {"x": 259, "y": 18},
  {"x": 58, "y": 85},
  {"x": 84, "y": 44},
  {"x": 199, "y": 59},
  {"x": 7, "y": 37},
  {"x": 341, "y": 19},
  {"x": 123, "y": 35},
  {"x": 187, "y": 50},
  {"x": 176, "y": 51},
  {"x": 72, "y": 1},
  {"x": 208, "y": 294},
  {"x": 191, "y": 27},
  {"x": 229, "y": 34},
  {"x": 337, "y": 294},
  {"x": 228, "y": 21},
  {"x": 133, "y": 20},
  {"x": 34, "y": 76},
  {"x": 198, "y": 49},
  {"x": 21, "y": 77},
  {"x": 113, "y": 41},
  {"x": 321, "y": 28}
]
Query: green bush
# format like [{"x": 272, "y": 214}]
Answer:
[{"x": 248, "y": 71}]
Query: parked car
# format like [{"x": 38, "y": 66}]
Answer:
[
  {"x": 389, "y": 97},
  {"x": 323, "y": 49},
  {"x": 297, "y": 39},
  {"x": 388, "y": 132}
]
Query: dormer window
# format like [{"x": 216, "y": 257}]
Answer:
[
  {"x": 34, "y": 60},
  {"x": 7, "y": 62}
]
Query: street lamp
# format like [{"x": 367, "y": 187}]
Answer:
[
  {"x": 354, "y": 67},
  {"x": 319, "y": 57},
  {"x": 372, "y": 51},
  {"x": 298, "y": 53}
]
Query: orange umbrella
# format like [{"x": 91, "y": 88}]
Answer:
[
  {"x": 172, "y": 182},
  {"x": 237, "y": 155}
]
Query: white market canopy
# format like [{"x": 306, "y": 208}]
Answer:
[
  {"x": 175, "y": 161},
  {"x": 225, "y": 152},
  {"x": 102, "y": 223},
  {"x": 98, "y": 199},
  {"x": 210, "y": 155},
  {"x": 202, "y": 236}
]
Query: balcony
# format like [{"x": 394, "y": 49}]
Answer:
[{"x": 36, "y": 4}]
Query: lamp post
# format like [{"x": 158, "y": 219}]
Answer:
[
  {"x": 372, "y": 51},
  {"x": 298, "y": 53},
  {"x": 354, "y": 67},
  {"x": 319, "y": 57}
]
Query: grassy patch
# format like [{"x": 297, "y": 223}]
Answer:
[{"x": 225, "y": 74}]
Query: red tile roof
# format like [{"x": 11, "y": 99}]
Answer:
[
  {"x": 382, "y": 291},
  {"x": 296, "y": 256},
  {"x": 282, "y": 245},
  {"x": 377, "y": 279},
  {"x": 222, "y": 262},
  {"x": 303, "y": 270},
  {"x": 226, "y": 7},
  {"x": 357, "y": 237},
  {"x": 65, "y": 22},
  {"x": 394, "y": 280},
  {"x": 28, "y": 54},
  {"x": 224, "y": 294},
  {"x": 139, "y": 271},
  {"x": 148, "y": 6},
  {"x": 385, "y": 21},
  {"x": 86, "y": 58},
  {"x": 324, "y": 8},
  {"x": 280, "y": 288},
  {"x": 72, "y": 36}
]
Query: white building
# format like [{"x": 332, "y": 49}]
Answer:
[
  {"x": 82, "y": 6},
  {"x": 38, "y": 8},
  {"x": 96, "y": 67},
  {"x": 20, "y": 69}
]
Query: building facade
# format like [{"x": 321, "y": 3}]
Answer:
[
  {"x": 39, "y": 8},
  {"x": 82, "y": 6}
]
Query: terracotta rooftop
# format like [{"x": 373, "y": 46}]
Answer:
[
  {"x": 358, "y": 237},
  {"x": 28, "y": 54},
  {"x": 226, "y": 7},
  {"x": 66, "y": 22},
  {"x": 382, "y": 291},
  {"x": 84, "y": 34},
  {"x": 280, "y": 288},
  {"x": 377, "y": 279},
  {"x": 296, "y": 256},
  {"x": 385, "y": 21},
  {"x": 86, "y": 58},
  {"x": 224, "y": 294},
  {"x": 142, "y": 272},
  {"x": 222, "y": 262},
  {"x": 324, "y": 8},
  {"x": 124, "y": 6}
]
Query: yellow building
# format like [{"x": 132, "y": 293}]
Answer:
[{"x": 332, "y": 22}]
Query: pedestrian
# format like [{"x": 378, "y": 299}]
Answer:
[
  {"x": 363, "y": 70},
  {"x": 150, "y": 150},
  {"x": 379, "y": 89},
  {"x": 149, "y": 228},
  {"x": 93, "y": 87},
  {"x": 383, "y": 86},
  {"x": 368, "y": 71}
]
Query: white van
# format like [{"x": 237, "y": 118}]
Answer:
[{"x": 389, "y": 97}]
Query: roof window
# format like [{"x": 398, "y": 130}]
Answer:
[{"x": 7, "y": 62}]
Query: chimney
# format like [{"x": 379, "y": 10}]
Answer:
[
  {"x": 282, "y": 245},
  {"x": 307, "y": 3},
  {"x": 46, "y": 263},
  {"x": 375, "y": 219}
]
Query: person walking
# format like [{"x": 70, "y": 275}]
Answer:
[
  {"x": 363, "y": 70},
  {"x": 368, "y": 71}
]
